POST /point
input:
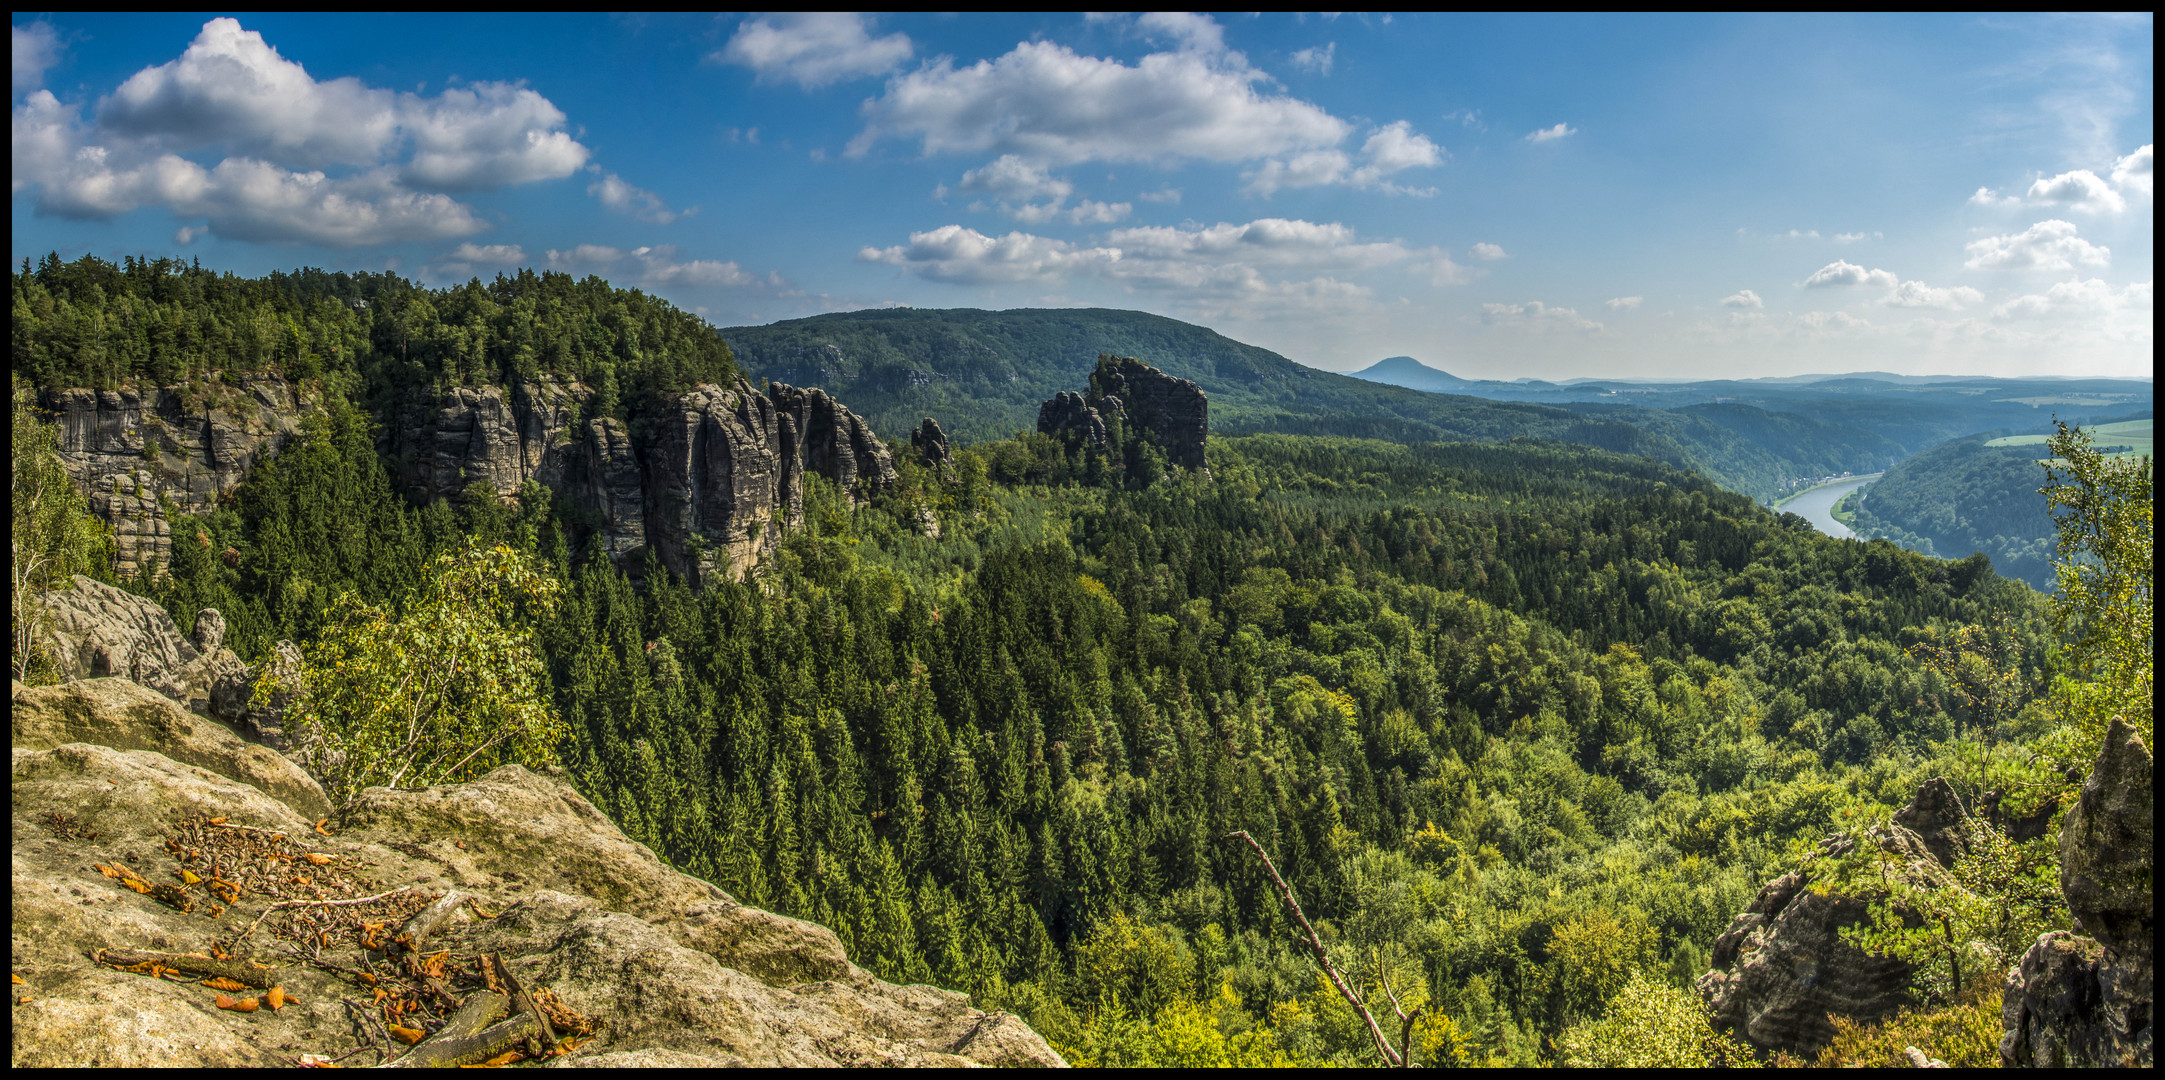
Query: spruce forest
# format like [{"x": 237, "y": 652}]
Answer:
[{"x": 1523, "y": 724}]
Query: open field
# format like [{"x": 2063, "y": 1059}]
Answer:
[{"x": 2137, "y": 435}]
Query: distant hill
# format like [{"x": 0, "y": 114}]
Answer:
[
  {"x": 1414, "y": 375},
  {"x": 984, "y": 373}
]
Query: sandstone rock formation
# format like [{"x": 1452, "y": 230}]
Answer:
[
  {"x": 1071, "y": 417},
  {"x": 2077, "y": 1001},
  {"x": 1174, "y": 411},
  {"x": 1782, "y": 966},
  {"x": 189, "y": 444},
  {"x": 707, "y": 478},
  {"x": 931, "y": 444},
  {"x": 98, "y": 630},
  {"x": 669, "y": 970}
]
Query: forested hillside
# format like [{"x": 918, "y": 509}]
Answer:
[
  {"x": 1975, "y": 494},
  {"x": 1516, "y": 721},
  {"x": 161, "y": 322},
  {"x": 983, "y": 374}
]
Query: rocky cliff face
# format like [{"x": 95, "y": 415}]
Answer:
[
  {"x": 191, "y": 444},
  {"x": 2089, "y": 1001},
  {"x": 707, "y": 478},
  {"x": 1782, "y": 967},
  {"x": 143, "y": 831},
  {"x": 708, "y": 481},
  {"x": 1173, "y": 410}
]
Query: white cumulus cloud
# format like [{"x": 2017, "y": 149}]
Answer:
[
  {"x": 2132, "y": 173},
  {"x": 1487, "y": 252},
  {"x": 1989, "y": 198},
  {"x": 1549, "y": 134},
  {"x": 1245, "y": 268},
  {"x": 1316, "y": 60},
  {"x": 2077, "y": 298},
  {"x": 1625, "y": 303},
  {"x": 275, "y": 133},
  {"x": 2079, "y": 190},
  {"x": 813, "y": 49},
  {"x": 962, "y": 255},
  {"x": 1390, "y": 149},
  {"x": 2047, "y": 245},
  {"x": 659, "y": 267},
  {"x": 1047, "y": 103},
  {"x": 37, "y": 49},
  {"x": 1743, "y": 299},
  {"x": 619, "y": 195},
  {"x": 1842, "y": 272}
]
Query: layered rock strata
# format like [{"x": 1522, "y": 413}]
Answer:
[
  {"x": 189, "y": 444},
  {"x": 2090, "y": 1001},
  {"x": 672, "y": 970},
  {"x": 707, "y": 478}
]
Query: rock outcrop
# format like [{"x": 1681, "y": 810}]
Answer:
[
  {"x": 931, "y": 445},
  {"x": 708, "y": 482},
  {"x": 110, "y": 804},
  {"x": 2076, "y": 1001},
  {"x": 1782, "y": 966},
  {"x": 189, "y": 444},
  {"x": 1174, "y": 411},
  {"x": 97, "y": 630},
  {"x": 707, "y": 478}
]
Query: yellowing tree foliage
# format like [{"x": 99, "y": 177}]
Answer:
[
  {"x": 1651, "y": 1025},
  {"x": 447, "y": 690}
]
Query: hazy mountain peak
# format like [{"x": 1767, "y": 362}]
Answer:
[{"x": 1407, "y": 372}]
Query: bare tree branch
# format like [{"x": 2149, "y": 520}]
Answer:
[{"x": 1323, "y": 958}]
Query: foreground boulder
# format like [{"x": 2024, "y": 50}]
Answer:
[
  {"x": 2087, "y": 1001},
  {"x": 635, "y": 963},
  {"x": 1782, "y": 967}
]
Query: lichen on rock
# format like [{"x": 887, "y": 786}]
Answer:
[{"x": 671, "y": 970}]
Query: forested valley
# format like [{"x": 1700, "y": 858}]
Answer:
[
  {"x": 1971, "y": 495},
  {"x": 1524, "y": 724}
]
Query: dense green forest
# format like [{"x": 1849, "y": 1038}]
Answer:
[
  {"x": 1525, "y": 723},
  {"x": 1963, "y": 497},
  {"x": 1515, "y": 720},
  {"x": 1967, "y": 496},
  {"x": 983, "y": 373},
  {"x": 160, "y": 322}
]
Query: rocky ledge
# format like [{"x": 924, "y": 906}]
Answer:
[
  {"x": 151, "y": 847},
  {"x": 1782, "y": 967}
]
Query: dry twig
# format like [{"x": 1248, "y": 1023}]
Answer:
[{"x": 1391, "y": 1057}]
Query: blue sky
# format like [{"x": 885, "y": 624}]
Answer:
[{"x": 1545, "y": 196}]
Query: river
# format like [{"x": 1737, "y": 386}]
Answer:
[{"x": 1817, "y": 505}]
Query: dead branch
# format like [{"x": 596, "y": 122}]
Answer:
[
  {"x": 1323, "y": 958},
  {"x": 544, "y": 1032},
  {"x": 442, "y": 1053},
  {"x": 418, "y": 928},
  {"x": 244, "y": 972},
  {"x": 315, "y": 903}
]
